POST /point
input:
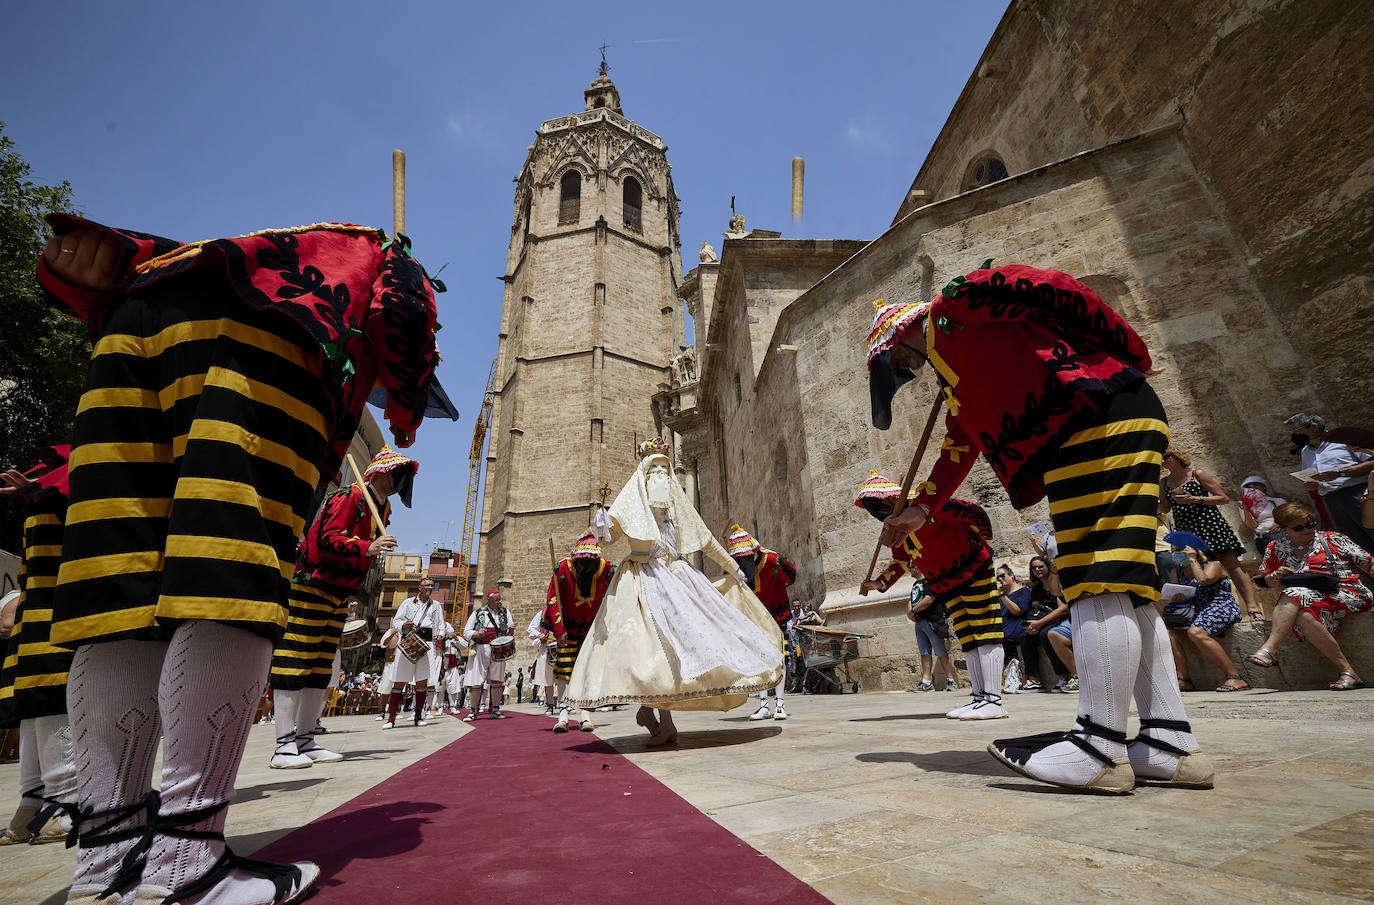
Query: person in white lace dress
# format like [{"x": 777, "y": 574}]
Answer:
[{"x": 666, "y": 637}]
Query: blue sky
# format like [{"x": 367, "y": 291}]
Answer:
[{"x": 194, "y": 120}]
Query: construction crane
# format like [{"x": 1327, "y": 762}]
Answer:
[{"x": 462, "y": 591}]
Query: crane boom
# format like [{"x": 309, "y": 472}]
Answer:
[{"x": 462, "y": 592}]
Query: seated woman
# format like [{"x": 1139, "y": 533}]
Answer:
[
  {"x": 1318, "y": 573},
  {"x": 1214, "y": 611},
  {"x": 1047, "y": 609}
]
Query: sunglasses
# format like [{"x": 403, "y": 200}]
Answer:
[{"x": 1305, "y": 526}]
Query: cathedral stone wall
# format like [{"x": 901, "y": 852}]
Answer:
[
  {"x": 1275, "y": 103},
  {"x": 589, "y": 326},
  {"x": 1135, "y": 221}
]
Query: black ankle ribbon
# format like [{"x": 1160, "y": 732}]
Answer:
[
  {"x": 284, "y": 877},
  {"x": 1021, "y": 749},
  {"x": 131, "y": 865},
  {"x": 1175, "y": 725},
  {"x": 53, "y": 806}
]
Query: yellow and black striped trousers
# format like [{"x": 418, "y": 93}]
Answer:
[
  {"x": 304, "y": 657},
  {"x": 33, "y": 677},
  {"x": 1103, "y": 489},
  {"x": 197, "y": 448},
  {"x": 565, "y": 658},
  {"x": 975, "y": 609}
]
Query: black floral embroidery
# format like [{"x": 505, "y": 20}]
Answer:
[
  {"x": 1066, "y": 310},
  {"x": 283, "y": 256}
]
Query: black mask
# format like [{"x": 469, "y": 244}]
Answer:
[
  {"x": 879, "y": 509},
  {"x": 584, "y": 569},
  {"x": 1299, "y": 441},
  {"x": 749, "y": 565}
]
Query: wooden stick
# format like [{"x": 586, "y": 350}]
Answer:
[
  {"x": 557, "y": 585},
  {"x": 367, "y": 495},
  {"x": 900, "y": 504}
]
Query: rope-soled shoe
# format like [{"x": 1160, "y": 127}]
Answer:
[
  {"x": 1193, "y": 770},
  {"x": 1114, "y": 778}
]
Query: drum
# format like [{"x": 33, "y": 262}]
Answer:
[
  {"x": 414, "y": 647},
  {"x": 355, "y": 634},
  {"x": 503, "y": 648}
]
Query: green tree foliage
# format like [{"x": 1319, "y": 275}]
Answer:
[{"x": 43, "y": 352}]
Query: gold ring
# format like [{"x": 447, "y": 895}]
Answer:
[{"x": 69, "y": 251}]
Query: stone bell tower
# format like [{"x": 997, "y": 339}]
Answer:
[{"x": 589, "y": 326}]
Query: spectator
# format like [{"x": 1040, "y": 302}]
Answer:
[
  {"x": 1166, "y": 560},
  {"x": 1016, "y": 602},
  {"x": 1318, "y": 571},
  {"x": 1257, "y": 509},
  {"x": 932, "y": 628},
  {"x": 1194, "y": 496},
  {"x": 1047, "y": 609},
  {"x": 1338, "y": 479},
  {"x": 1206, "y": 617}
]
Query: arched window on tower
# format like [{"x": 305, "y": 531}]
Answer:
[
  {"x": 525, "y": 212},
  {"x": 569, "y": 198},
  {"x": 987, "y": 169},
  {"x": 634, "y": 199}
]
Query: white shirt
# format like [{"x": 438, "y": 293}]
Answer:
[
  {"x": 412, "y": 608},
  {"x": 1328, "y": 456},
  {"x": 484, "y": 617}
]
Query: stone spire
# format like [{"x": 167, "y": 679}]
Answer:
[{"x": 602, "y": 92}]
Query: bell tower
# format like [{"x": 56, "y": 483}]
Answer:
[{"x": 589, "y": 326}]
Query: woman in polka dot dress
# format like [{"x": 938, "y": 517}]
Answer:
[{"x": 1194, "y": 495}]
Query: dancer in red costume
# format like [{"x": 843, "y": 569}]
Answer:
[
  {"x": 770, "y": 574},
  {"x": 226, "y": 380},
  {"x": 576, "y": 590},
  {"x": 1048, "y": 384}
]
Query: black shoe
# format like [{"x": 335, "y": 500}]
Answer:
[{"x": 497, "y": 715}]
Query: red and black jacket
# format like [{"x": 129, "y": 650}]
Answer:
[
  {"x": 774, "y": 576},
  {"x": 363, "y": 299},
  {"x": 1025, "y": 358},
  {"x": 333, "y": 553},
  {"x": 947, "y": 549},
  {"x": 573, "y": 617}
]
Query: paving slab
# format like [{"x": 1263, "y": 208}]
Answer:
[{"x": 877, "y": 798}]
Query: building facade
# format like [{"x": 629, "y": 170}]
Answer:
[
  {"x": 590, "y": 325},
  {"x": 1204, "y": 167}
]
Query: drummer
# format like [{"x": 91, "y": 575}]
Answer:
[
  {"x": 424, "y": 616},
  {"x": 489, "y": 628}
]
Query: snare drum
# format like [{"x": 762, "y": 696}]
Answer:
[
  {"x": 414, "y": 647},
  {"x": 503, "y": 648},
  {"x": 355, "y": 634}
]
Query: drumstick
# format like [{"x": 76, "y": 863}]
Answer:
[
  {"x": 557, "y": 585},
  {"x": 367, "y": 496},
  {"x": 900, "y": 504}
]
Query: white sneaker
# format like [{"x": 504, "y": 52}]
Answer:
[
  {"x": 780, "y": 713},
  {"x": 379, "y": 717},
  {"x": 472, "y": 715},
  {"x": 389, "y": 724},
  {"x": 763, "y": 713},
  {"x": 289, "y": 761},
  {"x": 323, "y": 756},
  {"x": 984, "y": 710},
  {"x": 951, "y": 685},
  {"x": 958, "y": 712},
  {"x": 422, "y": 722}
]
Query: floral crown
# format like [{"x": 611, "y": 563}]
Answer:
[{"x": 653, "y": 447}]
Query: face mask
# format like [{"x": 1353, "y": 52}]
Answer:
[
  {"x": 748, "y": 565},
  {"x": 660, "y": 497},
  {"x": 879, "y": 509},
  {"x": 1299, "y": 441},
  {"x": 584, "y": 570}
]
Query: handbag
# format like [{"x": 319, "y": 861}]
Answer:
[
  {"x": 1317, "y": 581},
  {"x": 1180, "y": 615}
]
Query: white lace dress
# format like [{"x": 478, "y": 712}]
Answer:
[{"x": 668, "y": 637}]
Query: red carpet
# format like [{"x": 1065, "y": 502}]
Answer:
[{"x": 512, "y": 814}]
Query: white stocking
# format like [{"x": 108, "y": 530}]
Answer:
[
  {"x": 30, "y": 770},
  {"x": 208, "y": 692},
  {"x": 990, "y": 659},
  {"x": 308, "y": 717},
  {"x": 112, "y": 705},
  {"x": 1106, "y": 643},
  {"x": 54, "y": 738},
  {"x": 1157, "y": 698},
  {"x": 475, "y": 697},
  {"x": 974, "y": 665},
  {"x": 560, "y": 692},
  {"x": 287, "y": 704}
]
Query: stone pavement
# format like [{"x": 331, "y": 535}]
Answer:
[{"x": 877, "y": 798}]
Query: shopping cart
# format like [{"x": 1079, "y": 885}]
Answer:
[{"x": 825, "y": 656}]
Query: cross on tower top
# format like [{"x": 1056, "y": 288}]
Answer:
[{"x": 604, "y": 67}]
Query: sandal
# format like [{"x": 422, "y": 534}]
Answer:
[
  {"x": 1186, "y": 684},
  {"x": 1223, "y": 687},
  {"x": 1346, "y": 681},
  {"x": 1262, "y": 658},
  {"x": 1256, "y": 615}
]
